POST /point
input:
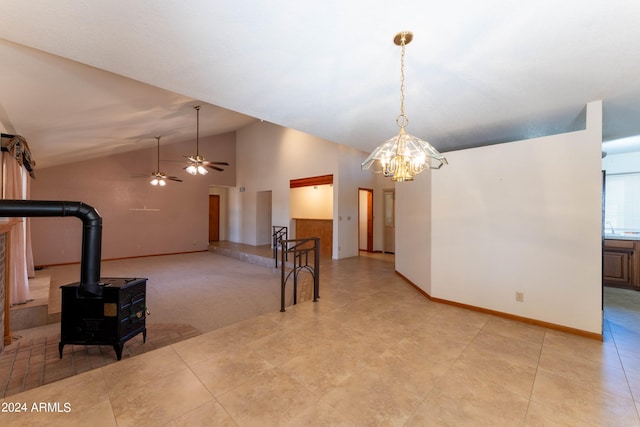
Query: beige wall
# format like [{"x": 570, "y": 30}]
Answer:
[
  {"x": 138, "y": 219},
  {"x": 270, "y": 156},
  {"x": 141, "y": 220},
  {"x": 312, "y": 202}
]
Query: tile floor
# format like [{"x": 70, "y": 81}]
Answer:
[
  {"x": 371, "y": 352},
  {"x": 33, "y": 360}
]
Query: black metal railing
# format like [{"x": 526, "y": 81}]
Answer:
[
  {"x": 279, "y": 233},
  {"x": 301, "y": 249}
]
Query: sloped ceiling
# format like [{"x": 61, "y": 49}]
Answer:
[{"x": 87, "y": 77}]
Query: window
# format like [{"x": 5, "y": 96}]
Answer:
[{"x": 622, "y": 202}]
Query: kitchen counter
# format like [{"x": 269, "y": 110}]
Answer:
[{"x": 623, "y": 236}]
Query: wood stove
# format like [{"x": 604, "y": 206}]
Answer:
[
  {"x": 107, "y": 311},
  {"x": 113, "y": 318}
]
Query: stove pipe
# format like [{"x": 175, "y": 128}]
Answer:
[{"x": 91, "y": 232}]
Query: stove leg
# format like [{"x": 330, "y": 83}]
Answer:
[
  {"x": 60, "y": 347},
  {"x": 144, "y": 335},
  {"x": 118, "y": 349}
]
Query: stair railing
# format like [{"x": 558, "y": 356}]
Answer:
[
  {"x": 279, "y": 233},
  {"x": 301, "y": 249}
]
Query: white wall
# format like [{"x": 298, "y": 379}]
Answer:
[
  {"x": 269, "y": 156},
  {"x": 413, "y": 230},
  {"x": 518, "y": 217},
  {"x": 263, "y": 218}
]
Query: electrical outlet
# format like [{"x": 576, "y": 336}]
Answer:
[{"x": 520, "y": 296}]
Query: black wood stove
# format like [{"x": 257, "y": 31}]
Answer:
[
  {"x": 95, "y": 311},
  {"x": 113, "y": 318}
]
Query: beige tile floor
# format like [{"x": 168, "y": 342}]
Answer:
[{"x": 371, "y": 352}]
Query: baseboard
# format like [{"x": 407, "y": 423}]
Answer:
[
  {"x": 40, "y": 267},
  {"x": 509, "y": 316}
]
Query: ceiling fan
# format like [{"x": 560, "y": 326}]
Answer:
[
  {"x": 158, "y": 178},
  {"x": 197, "y": 163}
]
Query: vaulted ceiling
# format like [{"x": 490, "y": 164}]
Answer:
[{"x": 85, "y": 78}]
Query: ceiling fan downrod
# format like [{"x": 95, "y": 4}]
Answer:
[{"x": 197, "y": 107}]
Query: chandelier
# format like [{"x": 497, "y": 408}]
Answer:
[{"x": 404, "y": 156}]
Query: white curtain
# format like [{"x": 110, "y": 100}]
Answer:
[{"x": 15, "y": 182}]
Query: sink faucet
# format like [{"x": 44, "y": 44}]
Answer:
[{"x": 611, "y": 227}]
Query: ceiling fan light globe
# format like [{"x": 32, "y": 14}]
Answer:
[
  {"x": 202, "y": 170},
  {"x": 162, "y": 183},
  {"x": 191, "y": 170},
  {"x": 154, "y": 181}
]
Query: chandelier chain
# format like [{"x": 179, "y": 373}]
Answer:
[{"x": 402, "y": 119}]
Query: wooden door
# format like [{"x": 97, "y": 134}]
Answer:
[
  {"x": 616, "y": 267},
  {"x": 365, "y": 219},
  {"x": 370, "y": 221},
  {"x": 214, "y": 218}
]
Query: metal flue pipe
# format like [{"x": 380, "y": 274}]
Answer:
[{"x": 91, "y": 232}]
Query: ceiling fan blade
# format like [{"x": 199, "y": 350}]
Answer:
[
  {"x": 215, "y": 168},
  {"x": 174, "y": 178},
  {"x": 207, "y": 162}
]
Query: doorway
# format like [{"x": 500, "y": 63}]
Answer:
[
  {"x": 311, "y": 212},
  {"x": 214, "y": 218},
  {"x": 389, "y": 245},
  {"x": 365, "y": 219}
]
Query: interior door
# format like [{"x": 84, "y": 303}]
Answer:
[
  {"x": 214, "y": 218},
  {"x": 365, "y": 219},
  {"x": 370, "y": 221}
]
